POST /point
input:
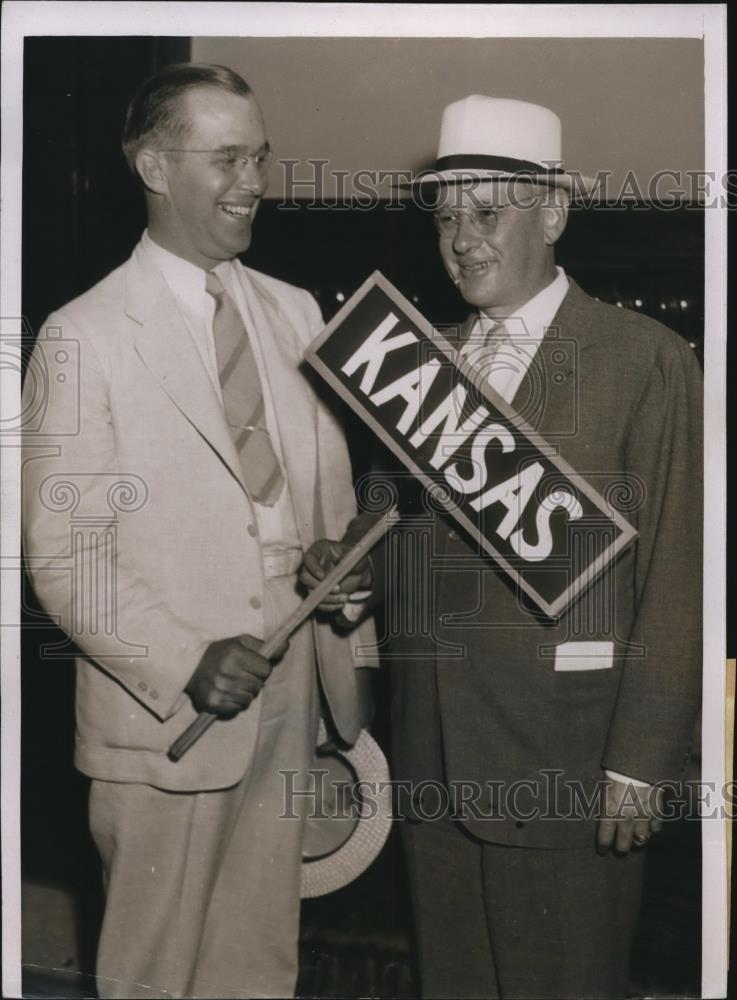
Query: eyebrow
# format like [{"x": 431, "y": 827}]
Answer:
[{"x": 265, "y": 148}]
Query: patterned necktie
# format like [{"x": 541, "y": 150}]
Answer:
[{"x": 243, "y": 400}]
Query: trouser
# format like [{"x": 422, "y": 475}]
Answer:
[
  {"x": 510, "y": 922},
  {"x": 203, "y": 889}
]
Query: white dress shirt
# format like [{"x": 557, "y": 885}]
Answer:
[{"x": 277, "y": 527}]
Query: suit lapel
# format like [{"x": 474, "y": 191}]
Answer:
[
  {"x": 166, "y": 348},
  {"x": 549, "y": 393},
  {"x": 294, "y": 405}
]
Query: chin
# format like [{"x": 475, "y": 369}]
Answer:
[
  {"x": 234, "y": 249},
  {"x": 230, "y": 244},
  {"x": 478, "y": 294}
]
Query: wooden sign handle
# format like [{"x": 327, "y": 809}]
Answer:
[{"x": 205, "y": 719}]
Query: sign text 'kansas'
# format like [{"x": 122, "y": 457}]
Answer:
[{"x": 542, "y": 523}]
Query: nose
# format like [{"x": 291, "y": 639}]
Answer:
[
  {"x": 250, "y": 177},
  {"x": 466, "y": 235}
]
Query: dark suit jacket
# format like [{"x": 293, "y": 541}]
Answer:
[{"x": 477, "y": 698}]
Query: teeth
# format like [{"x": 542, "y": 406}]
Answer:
[
  {"x": 480, "y": 266},
  {"x": 240, "y": 210}
]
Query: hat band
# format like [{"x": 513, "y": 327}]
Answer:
[{"x": 480, "y": 161}]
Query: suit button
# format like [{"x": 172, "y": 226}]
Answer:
[
  {"x": 255, "y": 603},
  {"x": 154, "y": 695},
  {"x": 252, "y": 531},
  {"x": 142, "y": 686}
]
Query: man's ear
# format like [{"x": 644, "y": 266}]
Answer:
[
  {"x": 150, "y": 167},
  {"x": 555, "y": 214}
]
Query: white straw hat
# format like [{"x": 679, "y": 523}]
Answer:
[
  {"x": 493, "y": 138},
  {"x": 341, "y": 845}
]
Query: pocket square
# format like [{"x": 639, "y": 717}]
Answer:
[{"x": 584, "y": 656}]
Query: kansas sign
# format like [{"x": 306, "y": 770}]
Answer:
[{"x": 525, "y": 506}]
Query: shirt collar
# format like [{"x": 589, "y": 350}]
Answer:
[{"x": 186, "y": 280}]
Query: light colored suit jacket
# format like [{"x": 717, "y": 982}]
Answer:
[{"x": 140, "y": 536}]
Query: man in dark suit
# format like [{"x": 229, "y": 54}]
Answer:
[{"x": 534, "y": 746}]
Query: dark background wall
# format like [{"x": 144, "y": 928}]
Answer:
[
  {"x": 83, "y": 211},
  {"x": 82, "y": 215},
  {"x": 375, "y": 103}
]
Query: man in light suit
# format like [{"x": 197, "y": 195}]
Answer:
[
  {"x": 164, "y": 532},
  {"x": 525, "y": 891}
]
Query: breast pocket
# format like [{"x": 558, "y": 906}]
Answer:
[{"x": 584, "y": 656}]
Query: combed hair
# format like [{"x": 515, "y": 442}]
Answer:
[{"x": 154, "y": 115}]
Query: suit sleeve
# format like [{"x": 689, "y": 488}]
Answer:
[
  {"x": 63, "y": 563},
  {"x": 660, "y": 690}
]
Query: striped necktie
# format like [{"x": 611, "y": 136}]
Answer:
[
  {"x": 243, "y": 400},
  {"x": 496, "y": 337}
]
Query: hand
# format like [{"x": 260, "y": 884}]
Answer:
[
  {"x": 321, "y": 557},
  {"x": 230, "y": 675},
  {"x": 631, "y": 815}
]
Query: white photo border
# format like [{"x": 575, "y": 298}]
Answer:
[{"x": 708, "y": 21}]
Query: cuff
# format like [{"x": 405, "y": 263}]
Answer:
[
  {"x": 355, "y": 606},
  {"x": 616, "y": 776}
]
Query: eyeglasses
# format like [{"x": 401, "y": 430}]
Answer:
[
  {"x": 230, "y": 159},
  {"x": 483, "y": 219}
]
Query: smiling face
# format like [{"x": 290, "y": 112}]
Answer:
[
  {"x": 498, "y": 259},
  {"x": 202, "y": 204}
]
